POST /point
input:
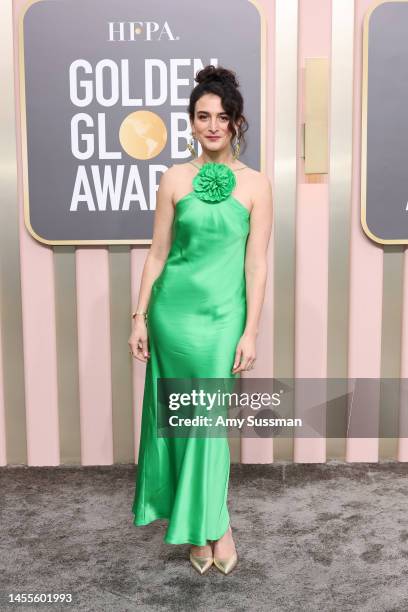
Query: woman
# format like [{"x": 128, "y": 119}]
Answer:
[{"x": 203, "y": 285}]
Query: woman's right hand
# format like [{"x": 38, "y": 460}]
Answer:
[{"x": 138, "y": 341}]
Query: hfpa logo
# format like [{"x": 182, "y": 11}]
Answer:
[{"x": 120, "y": 31}]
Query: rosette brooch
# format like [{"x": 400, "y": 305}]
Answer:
[{"x": 214, "y": 182}]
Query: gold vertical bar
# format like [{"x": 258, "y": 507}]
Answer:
[
  {"x": 67, "y": 354},
  {"x": 10, "y": 295},
  {"x": 392, "y": 307},
  {"x": 340, "y": 185},
  {"x": 286, "y": 127},
  {"x": 316, "y": 115},
  {"x": 122, "y": 363}
]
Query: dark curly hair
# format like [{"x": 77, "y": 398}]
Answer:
[{"x": 223, "y": 83}]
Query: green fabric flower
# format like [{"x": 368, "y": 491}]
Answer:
[{"x": 214, "y": 182}]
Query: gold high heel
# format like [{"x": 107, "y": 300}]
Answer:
[
  {"x": 201, "y": 564},
  {"x": 226, "y": 565}
]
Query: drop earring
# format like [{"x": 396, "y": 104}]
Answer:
[
  {"x": 190, "y": 146},
  {"x": 236, "y": 148}
]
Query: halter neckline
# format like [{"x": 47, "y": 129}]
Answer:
[{"x": 236, "y": 169}]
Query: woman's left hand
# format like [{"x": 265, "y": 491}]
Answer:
[{"x": 245, "y": 354}]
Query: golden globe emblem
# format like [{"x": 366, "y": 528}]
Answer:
[{"x": 143, "y": 134}]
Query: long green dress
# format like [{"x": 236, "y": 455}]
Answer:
[{"x": 196, "y": 315}]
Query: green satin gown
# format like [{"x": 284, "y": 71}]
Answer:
[{"x": 196, "y": 315}]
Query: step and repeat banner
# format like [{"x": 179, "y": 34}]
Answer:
[{"x": 105, "y": 87}]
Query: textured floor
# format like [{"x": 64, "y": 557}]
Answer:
[{"x": 310, "y": 537}]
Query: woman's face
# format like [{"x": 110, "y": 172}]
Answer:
[{"x": 211, "y": 123}]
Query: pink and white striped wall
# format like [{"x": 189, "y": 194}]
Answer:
[{"x": 336, "y": 303}]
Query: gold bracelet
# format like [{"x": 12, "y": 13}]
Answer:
[{"x": 139, "y": 312}]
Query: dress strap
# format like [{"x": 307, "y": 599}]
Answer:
[{"x": 191, "y": 162}]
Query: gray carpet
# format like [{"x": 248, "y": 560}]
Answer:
[{"x": 310, "y": 537}]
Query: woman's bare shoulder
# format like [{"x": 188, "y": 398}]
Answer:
[
  {"x": 256, "y": 174},
  {"x": 173, "y": 174},
  {"x": 178, "y": 171},
  {"x": 255, "y": 178},
  {"x": 173, "y": 179}
]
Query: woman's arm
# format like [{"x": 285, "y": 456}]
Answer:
[
  {"x": 256, "y": 269},
  {"x": 155, "y": 260}
]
